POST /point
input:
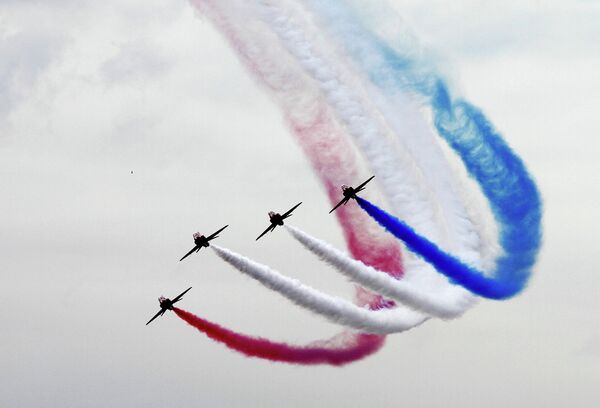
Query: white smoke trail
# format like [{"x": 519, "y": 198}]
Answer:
[
  {"x": 414, "y": 134},
  {"x": 456, "y": 220},
  {"x": 396, "y": 171},
  {"x": 449, "y": 303},
  {"x": 310, "y": 120},
  {"x": 293, "y": 89},
  {"x": 337, "y": 310},
  {"x": 418, "y": 139},
  {"x": 469, "y": 219},
  {"x": 287, "y": 82}
]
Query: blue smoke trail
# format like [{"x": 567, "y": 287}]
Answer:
[
  {"x": 501, "y": 174},
  {"x": 507, "y": 281}
]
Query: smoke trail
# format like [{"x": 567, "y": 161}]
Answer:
[
  {"x": 317, "y": 133},
  {"x": 415, "y": 136},
  {"x": 501, "y": 174},
  {"x": 310, "y": 120},
  {"x": 457, "y": 231},
  {"x": 396, "y": 172},
  {"x": 449, "y": 303},
  {"x": 510, "y": 276},
  {"x": 334, "y": 309},
  {"x": 395, "y": 68},
  {"x": 331, "y": 156},
  {"x": 265, "y": 75},
  {"x": 354, "y": 347},
  {"x": 347, "y": 105}
]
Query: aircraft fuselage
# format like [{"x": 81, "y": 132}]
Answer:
[
  {"x": 276, "y": 219},
  {"x": 348, "y": 192},
  {"x": 165, "y": 303},
  {"x": 201, "y": 241}
]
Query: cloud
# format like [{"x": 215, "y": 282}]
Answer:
[
  {"x": 476, "y": 28},
  {"x": 24, "y": 56},
  {"x": 136, "y": 60},
  {"x": 591, "y": 347}
]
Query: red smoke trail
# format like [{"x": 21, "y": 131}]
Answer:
[
  {"x": 359, "y": 346},
  {"x": 333, "y": 160},
  {"x": 354, "y": 346}
]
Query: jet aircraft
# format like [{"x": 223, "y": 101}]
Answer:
[
  {"x": 277, "y": 219},
  {"x": 202, "y": 241},
  {"x": 350, "y": 192},
  {"x": 167, "y": 304}
]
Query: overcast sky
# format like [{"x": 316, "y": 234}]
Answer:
[{"x": 90, "y": 91}]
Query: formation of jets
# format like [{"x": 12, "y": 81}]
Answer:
[{"x": 275, "y": 220}]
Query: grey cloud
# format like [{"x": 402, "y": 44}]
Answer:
[
  {"x": 136, "y": 60},
  {"x": 484, "y": 28},
  {"x": 86, "y": 247},
  {"x": 24, "y": 56},
  {"x": 591, "y": 347}
]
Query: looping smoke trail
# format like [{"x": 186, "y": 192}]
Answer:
[
  {"x": 446, "y": 304},
  {"x": 484, "y": 154},
  {"x": 413, "y": 133},
  {"x": 337, "y": 310},
  {"x": 332, "y": 159},
  {"x": 396, "y": 169},
  {"x": 354, "y": 347},
  {"x": 500, "y": 173},
  {"x": 380, "y": 46},
  {"x": 311, "y": 121}
]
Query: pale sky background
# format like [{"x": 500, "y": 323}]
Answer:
[{"x": 92, "y": 90}]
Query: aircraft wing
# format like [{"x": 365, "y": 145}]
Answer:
[
  {"x": 357, "y": 189},
  {"x": 189, "y": 253},
  {"x": 289, "y": 212},
  {"x": 214, "y": 235},
  {"x": 269, "y": 228},
  {"x": 160, "y": 313},
  {"x": 178, "y": 298},
  {"x": 344, "y": 201}
]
